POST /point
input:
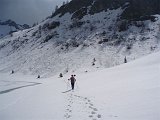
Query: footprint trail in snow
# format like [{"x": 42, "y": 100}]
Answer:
[{"x": 79, "y": 107}]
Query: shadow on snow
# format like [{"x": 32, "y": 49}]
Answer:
[
  {"x": 12, "y": 89},
  {"x": 67, "y": 91}
]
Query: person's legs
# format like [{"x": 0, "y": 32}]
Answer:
[{"x": 72, "y": 84}]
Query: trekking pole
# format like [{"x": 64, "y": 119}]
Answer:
[
  {"x": 77, "y": 85},
  {"x": 66, "y": 84}
]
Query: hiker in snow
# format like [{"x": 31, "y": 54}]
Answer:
[{"x": 73, "y": 80}]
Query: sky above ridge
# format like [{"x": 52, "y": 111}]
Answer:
[{"x": 27, "y": 11}]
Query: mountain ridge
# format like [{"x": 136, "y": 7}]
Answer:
[
  {"x": 9, "y": 26},
  {"x": 133, "y": 9}
]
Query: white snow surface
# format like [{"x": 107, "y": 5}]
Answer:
[{"x": 129, "y": 91}]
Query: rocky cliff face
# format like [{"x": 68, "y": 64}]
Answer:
[{"x": 133, "y": 9}]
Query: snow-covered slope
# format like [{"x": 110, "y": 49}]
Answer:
[
  {"x": 48, "y": 52},
  {"x": 82, "y": 39},
  {"x": 127, "y": 92}
]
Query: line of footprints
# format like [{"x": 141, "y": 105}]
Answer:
[{"x": 87, "y": 106}]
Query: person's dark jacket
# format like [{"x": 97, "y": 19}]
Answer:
[{"x": 72, "y": 80}]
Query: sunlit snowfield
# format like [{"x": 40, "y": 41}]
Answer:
[{"x": 127, "y": 92}]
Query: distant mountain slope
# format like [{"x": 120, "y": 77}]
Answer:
[
  {"x": 85, "y": 37},
  {"x": 10, "y": 26}
]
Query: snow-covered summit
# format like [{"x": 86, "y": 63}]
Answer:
[
  {"x": 64, "y": 43},
  {"x": 9, "y": 26}
]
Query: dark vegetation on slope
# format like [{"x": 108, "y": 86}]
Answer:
[{"x": 134, "y": 10}]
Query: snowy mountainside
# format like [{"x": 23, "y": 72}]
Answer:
[
  {"x": 10, "y": 26},
  {"x": 61, "y": 44}
]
